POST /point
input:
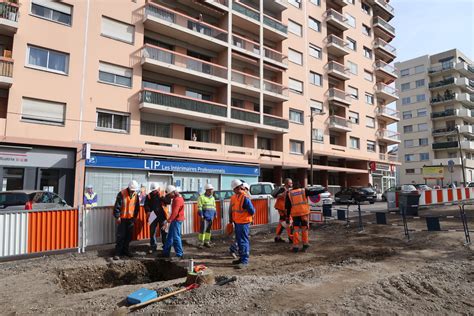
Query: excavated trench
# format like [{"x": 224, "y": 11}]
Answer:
[{"x": 96, "y": 277}]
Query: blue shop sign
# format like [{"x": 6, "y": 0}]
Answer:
[{"x": 169, "y": 165}]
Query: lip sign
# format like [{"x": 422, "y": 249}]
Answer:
[{"x": 153, "y": 164}]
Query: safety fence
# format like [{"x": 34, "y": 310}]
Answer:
[{"x": 24, "y": 232}]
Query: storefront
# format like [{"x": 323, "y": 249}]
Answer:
[
  {"x": 38, "y": 168},
  {"x": 110, "y": 174},
  {"x": 383, "y": 176}
]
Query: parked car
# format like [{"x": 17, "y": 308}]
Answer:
[
  {"x": 422, "y": 187},
  {"x": 223, "y": 195},
  {"x": 356, "y": 194},
  {"x": 321, "y": 199},
  {"x": 261, "y": 190},
  {"x": 391, "y": 189},
  {"x": 470, "y": 185},
  {"x": 30, "y": 200},
  {"x": 189, "y": 195}
]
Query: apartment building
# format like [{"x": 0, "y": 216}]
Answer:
[
  {"x": 195, "y": 91},
  {"x": 436, "y": 101}
]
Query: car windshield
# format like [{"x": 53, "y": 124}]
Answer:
[
  {"x": 188, "y": 196},
  {"x": 12, "y": 199},
  {"x": 368, "y": 189}
]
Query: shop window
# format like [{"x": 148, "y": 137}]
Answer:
[
  {"x": 49, "y": 180},
  {"x": 12, "y": 179}
]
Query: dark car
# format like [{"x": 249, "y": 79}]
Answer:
[
  {"x": 353, "y": 195},
  {"x": 30, "y": 200},
  {"x": 223, "y": 195},
  {"x": 189, "y": 195},
  {"x": 391, "y": 189}
]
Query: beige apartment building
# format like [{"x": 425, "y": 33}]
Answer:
[
  {"x": 436, "y": 102},
  {"x": 195, "y": 91}
]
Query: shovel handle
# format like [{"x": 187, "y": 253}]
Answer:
[{"x": 164, "y": 297}]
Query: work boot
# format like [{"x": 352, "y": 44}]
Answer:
[
  {"x": 241, "y": 266},
  {"x": 238, "y": 261},
  {"x": 295, "y": 249},
  {"x": 305, "y": 247},
  {"x": 278, "y": 239},
  {"x": 116, "y": 258}
]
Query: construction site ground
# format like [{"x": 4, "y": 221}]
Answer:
[{"x": 345, "y": 271}]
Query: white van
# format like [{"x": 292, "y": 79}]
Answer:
[{"x": 261, "y": 190}]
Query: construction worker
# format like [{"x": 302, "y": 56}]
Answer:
[
  {"x": 90, "y": 197},
  {"x": 156, "y": 203},
  {"x": 234, "y": 247},
  {"x": 241, "y": 212},
  {"x": 280, "y": 196},
  {"x": 297, "y": 207},
  {"x": 127, "y": 206},
  {"x": 175, "y": 222},
  {"x": 207, "y": 213}
]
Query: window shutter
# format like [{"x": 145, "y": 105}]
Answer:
[
  {"x": 118, "y": 30},
  {"x": 116, "y": 70},
  {"x": 54, "y": 5},
  {"x": 41, "y": 110}
]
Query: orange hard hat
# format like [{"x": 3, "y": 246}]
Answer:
[{"x": 229, "y": 229}]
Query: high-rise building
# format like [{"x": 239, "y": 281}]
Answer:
[
  {"x": 436, "y": 98},
  {"x": 195, "y": 91}
]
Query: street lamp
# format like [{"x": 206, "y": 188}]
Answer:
[
  {"x": 313, "y": 114},
  {"x": 460, "y": 154}
]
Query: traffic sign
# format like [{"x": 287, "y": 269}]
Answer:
[{"x": 451, "y": 166}]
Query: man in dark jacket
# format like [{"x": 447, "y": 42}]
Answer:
[{"x": 155, "y": 205}]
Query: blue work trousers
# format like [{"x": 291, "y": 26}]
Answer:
[
  {"x": 174, "y": 239},
  {"x": 242, "y": 233}
]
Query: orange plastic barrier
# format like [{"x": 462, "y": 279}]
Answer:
[
  {"x": 261, "y": 212},
  {"x": 52, "y": 230},
  {"x": 216, "y": 224}
]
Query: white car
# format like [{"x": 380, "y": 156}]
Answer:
[
  {"x": 316, "y": 202},
  {"x": 261, "y": 190}
]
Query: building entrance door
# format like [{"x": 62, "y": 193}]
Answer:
[{"x": 163, "y": 180}]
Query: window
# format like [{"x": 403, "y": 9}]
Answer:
[
  {"x": 295, "y": 28},
  {"x": 52, "y": 10},
  {"x": 353, "y": 92},
  {"x": 407, "y": 115},
  {"x": 406, "y": 100},
  {"x": 368, "y": 76},
  {"x": 422, "y": 127},
  {"x": 41, "y": 111},
  {"x": 315, "y": 78},
  {"x": 296, "y": 116},
  {"x": 409, "y": 157},
  {"x": 405, "y": 72},
  {"x": 366, "y": 8},
  {"x": 295, "y": 85},
  {"x": 410, "y": 171},
  {"x": 318, "y": 135},
  {"x": 316, "y": 106},
  {"x": 351, "y": 21},
  {"x": 420, "y": 83},
  {"x": 355, "y": 142},
  {"x": 296, "y": 147},
  {"x": 367, "y": 52},
  {"x": 295, "y": 3},
  {"x": 315, "y": 51},
  {"x": 421, "y": 112},
  {"x": 370, "y": 121},
  {"x": 314, "y": 24},
  {"x": 423, "y": 142},
  {"x": 315, "y": 2},
  {"x": 369, "y": 98},
  {"x": 295, "y": 56},
  {"x": 114, "y": 74},
  {"x": 117, "y": 30},
  {"x": 424, "y": 156},
  {"x": 366, "y": 30},
  {"x": 352, "y": 67},
  {"x": 408, "y": 143},
  {"x": 48, "y": 59},
  {"x": 157, "y": 86},
  {"x": 405, "y": 86},
  {"x": 408, "y": 128},
  {"x": 352, "y": 44},
  {"x": 419, "y": 69},
  {"x": 452, "y": 154},
  {"x": 420, "y": 98},
  {"x": 354, "y": 117},
  {"x": 112, "y": 121},
  {"x": 234, "y": 139},
  {"x": 371, "y": 146},
  {"x": 155, "y": 129},
  {"x": 264, "y": 143},
  {"x": 198, "y": 95}
]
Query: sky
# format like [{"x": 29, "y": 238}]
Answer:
[{"x": 432, "y": 26}]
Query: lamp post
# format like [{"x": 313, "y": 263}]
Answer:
[
  {"x": 462, "y": 158},
  {"x": 311, "y": 119}
]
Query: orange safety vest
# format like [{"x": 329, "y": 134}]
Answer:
[
  {"x": 239, "y": 215},
  {"x": 128, "y": 204},
  {"x": 280, "y": 201},
  {"x": 299, "y": 203}
]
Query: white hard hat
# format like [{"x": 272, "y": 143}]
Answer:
[
  {"x": 89, "y": 186},
  {"x": 154, "y": 186},
  {"x": 133, "y": 185},
  {"x": 235, "y": 183},
  {"x": 246, "y": 185},
  {"x": 170, "y": 188},
  {"x": 208, "y": 186}
]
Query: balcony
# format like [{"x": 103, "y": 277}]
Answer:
[
  {"x": 6, "y": 72},
  {"x": 384, "y": 51},
  {"x": 171, "y": 63},
  {"x": 444, "y": 145},
  {"x": 336, "y": 20},
  {"x": 275, "y": 91},
  {"x": 245, "y": 46},
  {"x": 176, "y": 25},
  {"x": 245, "y": 83},
  {"x": 445, "y": 113},
  {"x": 442, "y": 69},
  {"x": 385, "y": 92},
  {"x": 383, "y": 30},
  {"x": 274, "y": 29},
  {"x": 221, "y": 4},
  {"x": 388, "y": 115},
  {"x": 8, "y": 18},
  {"x": 451, "y": 98},
  {"x": 385, "y": 72},
  {"x": 340, "y": 124},
  {"x": 275, "y": 121},
  {"x": 341, "y": 3},
  {"x": 465, "y": 69},
  {"x": 467, "y": 145},
  {"x": 382, "y": 8},
  {"x": 336, "y": 46},
  {"x": 389, "y": 137},
  {"x": 251, "y": 118},
  {"x": 338, "y": 97},
  {"x": 337, "y": 70},
  {"x": 276, "y": 5},
  {"x": 245, "y": 115},
  {"x": 388, "y": 157},
  {"x": 275, "y": 57},
  {"x": 463, "y": 83}
]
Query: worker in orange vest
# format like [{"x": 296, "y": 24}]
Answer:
[
  {"x": 280, "y": 196},
  {"x": 127, "y": 206},
  {"x": 297, "y": 207}
]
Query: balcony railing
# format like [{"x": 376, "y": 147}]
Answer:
[
  {"x": 246, "y": 44},
  {"x": 246, "y": 79},
  {"x": 246, "y": 10},
  {"x": 331, "y": 13},
  {"x": 447, "y": 96},
  {"x": 444, "y": 145},
  {"x": 441, "y": 67},
  {"x": 275, "y": 55},
  {"x": 9, "y": 11},
  {"x": 383, "y": 44},
  {"x": 449, "y": 112},
  {"x": 336, "y": 93},
  {"x": 382, "y": 87},
  {"x": 387, "y": 134},
  {"x": 275, "y": 24},
  {"x": 388, "y": 111},
  {"x": 275, "y": 121},
  {"x": 386, "y": 6},
  {"x": 444, "y": 130},
  {"x": 245, "y": 115},
  {"x": 339, "y": 121},
  {"x": 274, "y": 87},
  {"x": 335, "y": 66},
  {"x": 182, "y": 102},
  {"x": 187, "y": 62},
  {"x": 333, "y": 39},
  {"x": 388, "y": 157},
  {"x": 171, "y": 16},
  {"x": 383, "y": 23},
  {"x": 6, "y": 67},
  {"x": 385, "y": 67},
  {"x": 441, "y": 83}
]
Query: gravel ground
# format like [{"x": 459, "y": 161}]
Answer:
[{"x": 344, "y": 272}]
